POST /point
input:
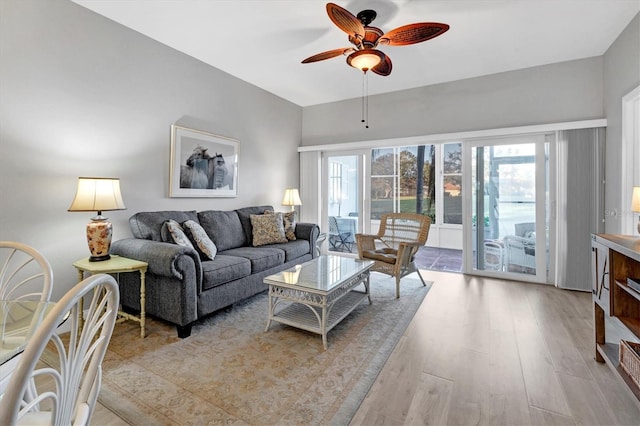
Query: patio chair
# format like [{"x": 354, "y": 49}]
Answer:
[
  {"x": 394, "y": 248},
  {"x": 520, "y": 253},
  {"x": 520, "y": 249},
  {"x": 493, "y": 255},
  {"x": 339, "y": 239}
]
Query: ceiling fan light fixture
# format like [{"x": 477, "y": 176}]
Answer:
[{"x": 366, "y": 59}]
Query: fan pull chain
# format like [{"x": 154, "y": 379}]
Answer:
[
  {"x": 364, "y": 75},
  {"x": 365, "y": 99}
]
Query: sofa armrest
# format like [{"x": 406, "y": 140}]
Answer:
[
  {"x": 310, "y": 232},
  {"x": 163, "y": 258}
]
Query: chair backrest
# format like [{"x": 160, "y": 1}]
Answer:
[
  {"x": 396, "y": 228},
  {"x": 25, "y": 274},
  {"x": 333, "y": 226},
  {"x": 72, "y": 363},
  {"x": 522, "y": 229}
]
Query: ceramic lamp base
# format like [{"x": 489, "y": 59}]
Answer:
[{"x": 99, "y": 232}]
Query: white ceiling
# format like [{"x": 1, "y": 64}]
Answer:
[{"x": 263, "y": 41}]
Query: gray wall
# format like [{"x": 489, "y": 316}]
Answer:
[
  {"x": 559, "y": 92},
  {"x": 621, "y": 75},
  {"x": 81, "y": 95}
]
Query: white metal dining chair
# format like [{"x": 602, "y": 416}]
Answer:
[
  {"x": 68, "y": 380},
  {"x": 25, "y": 274}
]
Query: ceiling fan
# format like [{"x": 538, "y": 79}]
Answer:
[{"x": 366, "y": 39}]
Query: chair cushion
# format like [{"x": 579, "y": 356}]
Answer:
[
  {"x": 261, "y": 258},
  {"x": 224, "y": 269},
  {"x": 385, "y": 255},
  {"x": 293, "y": 249},
  {"x": 224, "y": 228}
]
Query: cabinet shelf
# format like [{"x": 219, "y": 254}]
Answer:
[
  {"x": 628, "y": 289},
  {"x": 616, "y": 257},
  {"x": 633, "y": 324},
  {"x": 611, "y": 353}
]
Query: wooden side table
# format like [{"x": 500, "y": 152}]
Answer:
[{"x": 116, "y": 265}]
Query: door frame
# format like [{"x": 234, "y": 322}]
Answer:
[
  {"x": 364, "y": 224},
  {"x": 542, "y": 275}
]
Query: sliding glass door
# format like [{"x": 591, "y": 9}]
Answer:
[
  {"x": 508, "y": 208},
  {"x": 343, "y": 206}
]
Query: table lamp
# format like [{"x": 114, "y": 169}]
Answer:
[
  {"x": 635, "y": 203},
  {"x": 291, "y": 198},
  {"x": 98, "y": 194}
]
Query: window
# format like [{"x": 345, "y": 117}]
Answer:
[
  {"x": 452, "y": 183},
  {"x": 403, "y": 180}
]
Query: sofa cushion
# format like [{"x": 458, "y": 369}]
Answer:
[
  {"x": 199, "y": 238},
  {"x": 245, "y": 218},
  {"x": 223, "y": 227},
  {"x": 148, "y": 225},
  {"x": 267, "y": 229},
  {"x": 293, "y": 249},
  {"x": 224, "y": 269},
  {"x": 172, "y": 232},
  {"x": 261, "y": 258},
  {"x": 289, "y": 220}
]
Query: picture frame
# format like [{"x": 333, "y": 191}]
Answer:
[{"x": 202, "y": 164}]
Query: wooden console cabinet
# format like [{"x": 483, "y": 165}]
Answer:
[{"x": 616, "y": 306}]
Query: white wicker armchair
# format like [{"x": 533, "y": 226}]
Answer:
[
  {"x": 394, "y": 248},
  {"x": 520, "y": 252},
  {"x": 520, "y": 249}
]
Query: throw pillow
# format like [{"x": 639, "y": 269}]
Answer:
[
  {"x": 289, "y": 220},
  {"x": 267, "y": 229},
  {"x": 177, "y": 234},
  {"x": 198, "y": 235}
]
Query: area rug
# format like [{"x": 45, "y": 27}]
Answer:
[{"x": 230, "y": 371}]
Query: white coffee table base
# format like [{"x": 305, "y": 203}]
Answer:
[{"x": 317, "y": 313}]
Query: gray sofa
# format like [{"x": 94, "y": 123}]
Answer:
[{"x": 180, "y": 287}]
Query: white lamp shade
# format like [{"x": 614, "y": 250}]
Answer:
[
  {"x": 97, "y": 194},
  {"x": 635, "y": 200},
  {"x": 291, "y": 197}
]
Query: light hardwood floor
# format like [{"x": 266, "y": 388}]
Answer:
[{"x": 491, "y": 352}]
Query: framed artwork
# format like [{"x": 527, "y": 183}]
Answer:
[{"x": 202, "y": 164}]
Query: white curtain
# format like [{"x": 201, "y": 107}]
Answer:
[{"x": 579, "y": 170}]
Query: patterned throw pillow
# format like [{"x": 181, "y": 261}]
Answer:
[
  {"x": 177, "y": 234},
  {"x": 267, "y": 229},
  {"x": 198, "y": 235},
  {"x": 289, "y": 219}
]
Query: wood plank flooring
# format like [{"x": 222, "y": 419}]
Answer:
[{"x": 491, "y": 352}]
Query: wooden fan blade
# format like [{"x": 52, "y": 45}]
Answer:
[
  {"x": 328, "y": 55},
  {"x": 413, "y": 33},
  {"x": 384, "y": 67},
  {"x": 345, "y": 20}
]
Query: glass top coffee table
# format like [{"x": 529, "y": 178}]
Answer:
[{"x": 318, "y": 294}]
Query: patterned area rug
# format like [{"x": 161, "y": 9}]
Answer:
[{"x": 229, "y": 371}]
